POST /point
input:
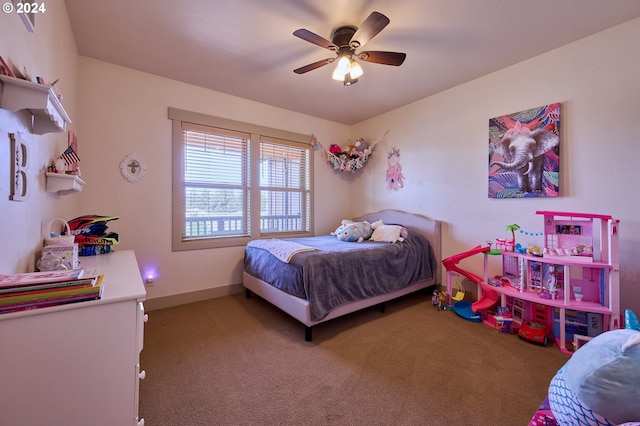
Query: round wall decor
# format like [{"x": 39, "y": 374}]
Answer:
[{"x": 132, "y": 168}]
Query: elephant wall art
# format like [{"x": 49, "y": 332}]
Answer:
[{"x": 524, "y": 153}]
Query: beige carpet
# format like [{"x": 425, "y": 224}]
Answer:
[{"x": 237, "y": 361}]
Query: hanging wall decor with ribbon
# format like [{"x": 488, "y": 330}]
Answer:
[{"x": 394, "y": 176}]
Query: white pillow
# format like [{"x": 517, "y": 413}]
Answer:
[{"x": 388, "y": 233}]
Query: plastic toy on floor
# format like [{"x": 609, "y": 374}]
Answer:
[
  {"x": 434, "y": 298},
  {"x": 458, "y": 296},
  {"x": 600, "y": 384},
  {"x": 466, "y": 309},
  {"x": 439, "y": 300},
  {"x": 442, "y": 300},
  {"x": 535, "y": 332},
  {"x": 503, "y": 320}
]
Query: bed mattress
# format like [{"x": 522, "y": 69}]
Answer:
[{"x": 339, "y": 272}]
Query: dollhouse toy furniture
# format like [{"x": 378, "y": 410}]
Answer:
[
  {"x": 503, "y": 320},
  {"x": 503, "y": 324},
  {"x": 573, "y": 287}
]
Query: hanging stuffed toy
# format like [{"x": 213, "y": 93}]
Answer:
[
  {"x": 394, "y": 170},
  {"x": 348, "y": 158}
]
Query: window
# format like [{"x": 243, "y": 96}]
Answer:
[
  {"x": 233, "y": 182},
  {"x": 284, "y": 188}
]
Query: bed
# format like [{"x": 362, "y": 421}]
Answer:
[{"x": 329, "y": 278}]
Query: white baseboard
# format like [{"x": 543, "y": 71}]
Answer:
[{"x": 191, "y": 297}]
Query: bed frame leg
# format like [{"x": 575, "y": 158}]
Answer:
[
  {"x": 247, "y": 293},
  {"x": 382, "y": 308},
  {"x": 307, "y": 334}
]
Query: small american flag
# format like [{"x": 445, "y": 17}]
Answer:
[{"x": 69, "y": 156}]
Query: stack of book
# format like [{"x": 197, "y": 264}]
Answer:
[{"x": 19, "y": 292}]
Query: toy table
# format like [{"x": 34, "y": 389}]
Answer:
[{"x": 503, "y": 324}]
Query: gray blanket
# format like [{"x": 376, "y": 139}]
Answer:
[{"x": 339, "y": 272}]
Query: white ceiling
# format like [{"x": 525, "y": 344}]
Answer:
[{"x": 246, "y": 47}]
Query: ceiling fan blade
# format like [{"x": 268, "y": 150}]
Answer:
[
  {"x": 307, "y": 35},
  {"x": 313, "y": 66},
  {"x": 369, "y": 28},
  {"x": 386, "y": 58}
]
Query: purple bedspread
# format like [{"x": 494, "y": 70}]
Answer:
[{"x": 340, "y": 272}]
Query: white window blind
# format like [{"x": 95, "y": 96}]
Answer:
[
  {"x": 216, "y": 176},
  {"x": 234, "y": 181},
  {"x": 284, "y": 186}
]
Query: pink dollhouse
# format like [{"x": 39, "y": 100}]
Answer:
[{"x": 573, "y": 287}]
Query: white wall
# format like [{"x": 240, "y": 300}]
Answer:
[
  {"x": 125, "y": 111},
  {"x": 443, "y": 142},
  {"x": 117, "y": 111},
  {"x": 50, "y": 52}
]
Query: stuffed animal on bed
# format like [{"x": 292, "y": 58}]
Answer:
[
  {"x": 600, "y": 384},
  {"x": 388, "y": 233},
  {"x": 351, "y": 231}
]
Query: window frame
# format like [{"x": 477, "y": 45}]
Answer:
[{"x": 257, "y": 132}]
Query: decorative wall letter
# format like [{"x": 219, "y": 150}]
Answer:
[{"x": 19, "y": 163}]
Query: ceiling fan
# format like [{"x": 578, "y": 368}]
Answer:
[{"x": 345, "y": 40}]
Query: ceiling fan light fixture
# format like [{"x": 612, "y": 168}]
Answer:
[
  {"x": 344, "y": 63},
  {"x": 345, "y": 40},
  {"x": 348, "y": 81},
  {"x": 355, "y": 70},
  {"x": 342, "y": 68},
  {"x": 338, "y": 75},
  {"x": 347, "y": 70}
]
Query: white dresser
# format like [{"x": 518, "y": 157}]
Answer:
[{"x": 77, "y": 364}]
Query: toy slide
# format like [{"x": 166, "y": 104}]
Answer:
[
  {"x": 465, "y": 309},
  {"x": 451, "y": 263},
  {"x": 489, "y": 297}
]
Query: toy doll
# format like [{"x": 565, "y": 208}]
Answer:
[{"x": 435, "y": 301}]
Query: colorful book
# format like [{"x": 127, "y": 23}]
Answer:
[
  {"x": 49, "y": 293},
  {"x": 39, "y": 277},
  {"x": 52, "y": 297},
  {"x": 45, "y": 303},
  {"x": 44, "y": 286}
]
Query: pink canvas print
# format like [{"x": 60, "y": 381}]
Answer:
[{"x": 524, "y": 153}]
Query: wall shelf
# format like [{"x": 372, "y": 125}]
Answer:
[
  {"x": 40, "y": 99},
  {"x": 63, "y": 183}
]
